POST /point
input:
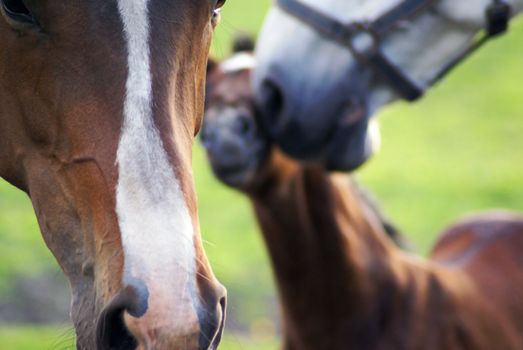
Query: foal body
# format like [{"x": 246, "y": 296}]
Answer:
[{"x": 342, "y": 283}]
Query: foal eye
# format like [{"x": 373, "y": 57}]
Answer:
[{"x": 16, "y": 11}]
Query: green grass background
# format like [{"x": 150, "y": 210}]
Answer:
[{"x": 457, "y": 151}]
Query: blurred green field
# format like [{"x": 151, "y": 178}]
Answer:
[
  {"x": 23, "y": 337},
  {"x": 457, "y": 151}
]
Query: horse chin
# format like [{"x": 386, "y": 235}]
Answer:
[
  {"x": 353, "y": 145},
  {"x": 240, "y": 170},
  {"x": 348, "y": 160},
  {"x": 349, "y": 142},
  {"x": 240, "y": 175}
]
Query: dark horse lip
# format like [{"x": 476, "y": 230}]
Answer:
[
  {"x": 233, "y": 169},
  {"x": 250, "y": 163},
  {"x": 347, "y": 149},
  {"x": 257, "y": 152},
  {"x": 333, "y": 149}
]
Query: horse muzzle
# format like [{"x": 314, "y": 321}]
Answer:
[
  {"x": 235, "y": 146},
  {"x": 125, "y": 324},
  {"x": 337, "y": 138}
]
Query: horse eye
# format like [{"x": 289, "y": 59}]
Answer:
[
  {"x": 216, "y": 12},
  {"x": 17, "y": 11}
]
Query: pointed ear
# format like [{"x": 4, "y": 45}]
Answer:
[
  {"x": 243, "y": 43},
  {"x": 212, "y": 67},
  {"x": 212, "y": 64}
]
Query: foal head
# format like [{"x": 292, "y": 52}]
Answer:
[
  {"x": 318, "y": 97},
  {"x": 235, "y": 144},
  {"x": 99, "y": 104}
]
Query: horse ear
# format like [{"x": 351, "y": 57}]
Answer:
[
  {"x": 243, "y": 43},
  {"x": 212, "y": 64}
]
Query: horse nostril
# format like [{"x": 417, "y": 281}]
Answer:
[
  {"x": 111, "y": 331},
  {"x": 272, "y": 105},
  {"x": 212, "y": 326},
  {"x": 218, "y": 336},
  {"x": 246, "y": 126}
]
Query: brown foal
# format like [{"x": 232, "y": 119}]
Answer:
[
  {"x": 99, "y": 104},
  {"x": 342, "y": 283}
]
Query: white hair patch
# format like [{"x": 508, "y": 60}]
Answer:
[
  {"x": 238, "y": 62},
  {"x": 155, "y": 223}
]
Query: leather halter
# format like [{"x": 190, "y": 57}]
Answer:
[{"x": 364, "y": 39}]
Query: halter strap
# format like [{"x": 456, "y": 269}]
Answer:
[
  {"x": 371, "y": 34},
  {"x": 404, "y": 11}
]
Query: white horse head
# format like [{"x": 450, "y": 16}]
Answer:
[{"x": 318, "y": 97}]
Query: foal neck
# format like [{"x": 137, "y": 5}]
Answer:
[{"x": 329, "y": 254}]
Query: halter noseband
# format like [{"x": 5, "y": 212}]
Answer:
[{"x": 364, "y": 39}]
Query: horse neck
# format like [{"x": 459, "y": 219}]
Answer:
[
  {"x": 432, "y": 41},
  {"x": 323, "y": 242}
]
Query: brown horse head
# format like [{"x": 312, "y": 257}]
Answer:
[
  {"x": 235, "y": 144},
  {"x": 99, "y": 104}
]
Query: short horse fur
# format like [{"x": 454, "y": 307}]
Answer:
[{"x": 99, "y": 104}]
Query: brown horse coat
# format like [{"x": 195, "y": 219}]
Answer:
[{"x": 344, "y": 285}]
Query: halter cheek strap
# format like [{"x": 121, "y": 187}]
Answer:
[{"x": 364, "y": 39}]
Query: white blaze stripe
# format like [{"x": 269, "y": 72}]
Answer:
[{"x": 155, "y": 224}]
